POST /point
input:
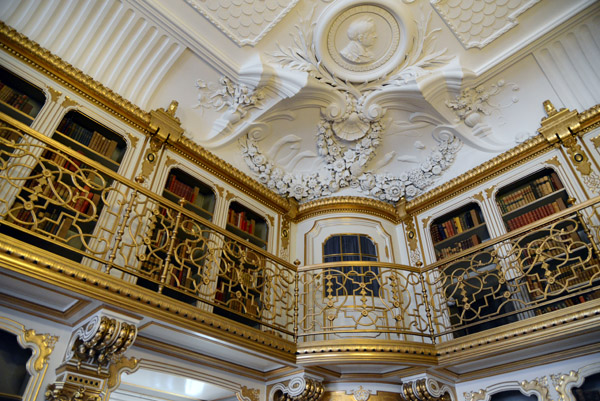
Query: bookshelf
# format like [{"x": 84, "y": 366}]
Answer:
[
  {"x": 247, "y": 224},
  {"x": 188, "y": 249},
  {"x": 18, "y": 98},
  {"x": 553, "y": 259},
  {"x": 199, "y": 196},
  {"x": 252, "y": 227},
  {"x": 67, "y": 204},
  {"x": 532, "y": 198},
  {"x": 91, "y": 138},
  {"x": 458, "y": 230}
]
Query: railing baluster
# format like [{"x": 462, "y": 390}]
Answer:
[
  {"x": 121, "y": 230},
  {"x": 166, "y": 272}
]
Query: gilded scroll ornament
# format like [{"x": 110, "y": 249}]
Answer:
[
  {"x": 115, "y": 370},
  {"x": 540, "y": 385},
  {"x": 479, "y": 197},
  {"x": 577, "y": 155},
  {"x": 248, "y": 394},
  {"x": 45, "y": 343},
  {"x": 553, "y": 161},
  {"x": 298, "y": 389},
  {"x": 561, "y": 381},
  {"x": 426, "y": 389},
  {"x": 596, "y": 142},
  {"x": 490, "y": 191}
]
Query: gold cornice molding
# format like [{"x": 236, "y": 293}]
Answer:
[
  {"x": 21, "y": 47},
  {"x": 359, "y": 350},
  {"x": 66, "y": 274},
  {"x": 485, "y": 171},
  {"x": 588, "y": 120},
  {"x": 534, "y": 331},
  {"x": 347, "y": 204},
  {"x": 236, "y": 178}
]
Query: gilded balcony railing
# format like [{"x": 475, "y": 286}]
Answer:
[
  {"x": 361, "y": 299},
  {"x": 542, "y": 267},
  {"x": 55, "y": 198}
]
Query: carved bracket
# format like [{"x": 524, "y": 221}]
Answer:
[
  {"x": 298, "y": 389},
  {"x": 426, "y": 389}
]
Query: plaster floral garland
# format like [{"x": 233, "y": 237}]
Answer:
[{"x": 346, "y": 168}]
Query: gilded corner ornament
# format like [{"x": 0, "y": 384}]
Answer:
[
  {"x": 45, "y": 343},
  {"x": 54, "y": 93},
  {"x": 68, "y": 102},
  {"x": 127, "y": 365},
  {"x": 248, "y": 394},
  {"x": 540, "y": 385}
]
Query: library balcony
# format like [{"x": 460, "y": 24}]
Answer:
[{"x": 68, "y": 217}]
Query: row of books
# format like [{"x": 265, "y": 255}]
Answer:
[
  {"x": 151, "y": 267},
  {"x": 568, "y": 302},
  {"x": 62, "y": 160},
  {"x": 458, "y": 247},
  {"x": 15, "y": 99},
  {"x": 536, "y": 214},
  {"x": 563, "y": 278},
  {"x": 92, "y": 139},
  {"x": 455, "y": 225},
  {"x": 536, "y": 189},
  {"x": 240, "y": 220},
  {"x": 245, "y": 305},
  {"x": 185, "y": 191}
]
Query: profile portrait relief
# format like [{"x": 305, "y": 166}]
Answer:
[{"x": 362, "y": 34}]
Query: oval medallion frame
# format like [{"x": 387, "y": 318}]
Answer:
[{"x": 362, "y": 41}]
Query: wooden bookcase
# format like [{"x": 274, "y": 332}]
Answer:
[
  {"x": 66, "y": 209},
  {"x": 526, "y": 201},
  {"x": 201, "y": 201},
  {"x": 458, "y": 230},
  {"x": 252, "y": 227},
  {"x": 18, "y": 98}
]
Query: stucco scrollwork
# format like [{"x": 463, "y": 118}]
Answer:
[{"x": 298, "y": 389}]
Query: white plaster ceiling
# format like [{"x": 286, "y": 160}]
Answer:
[{"x": 314, "y": 114}]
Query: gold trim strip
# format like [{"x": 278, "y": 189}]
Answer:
[{"x": 347, "y": 204}]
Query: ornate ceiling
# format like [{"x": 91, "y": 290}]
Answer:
[{"x": 380, "y": 98}]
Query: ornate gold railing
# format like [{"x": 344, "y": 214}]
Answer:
[
  {"x": 361, "y": 299},
  {"x": 539, "y": 268},
  {"x": 56, "y": 199}
]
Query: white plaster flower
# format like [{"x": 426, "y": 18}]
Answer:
[
  {"x": 339, "y": 165},
  {"x": 349, "y": 155},
  {"x": 393, "y": 190},
  {"x": 263, "y": 178},
  {"x": 367, "y": 182},
  {"x": 297, "y": 190},
  {"x": 334, "y": 186},
  {"x": 403, "y": 176},
  {"x": 426, "y": 165},
  {"x": 287, "y": 178},
  {"x": 259, "y": 158},
  {"x": 436, "y": 156},
  {"x": 411, "y": 191},
  {"x": 437, "y": 170}
]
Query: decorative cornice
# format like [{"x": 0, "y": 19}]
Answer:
[
  {"x": 347, "y": 204},
  {"x": 21, "y": 47},
  {"x": 357, "y": 350},
  {"x": 527, "y": 333},
  {"x": 496, "y": 166},
  {"x": 230, "y": 174}
]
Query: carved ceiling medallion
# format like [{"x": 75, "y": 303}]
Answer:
[{"x": 361, "y": 42}]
